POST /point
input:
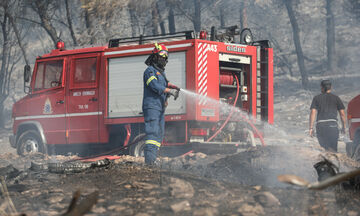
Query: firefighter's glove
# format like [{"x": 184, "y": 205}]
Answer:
[
  {"x": 172, "y": 86},
  {"x": 174, "y": 93}
]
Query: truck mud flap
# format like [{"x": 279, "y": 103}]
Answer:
[{"x": 12, "y": 141}]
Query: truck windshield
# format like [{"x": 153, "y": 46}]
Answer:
[{"x": 48, "y": 75}]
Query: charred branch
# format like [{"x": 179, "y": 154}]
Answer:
[
  {"x": 19, "y": 39},
  {"x": 84, "y": 206}
]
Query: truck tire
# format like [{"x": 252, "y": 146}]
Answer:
[
  {"x": 30, "y": 142},
  {"x": 137, "y": 149}
]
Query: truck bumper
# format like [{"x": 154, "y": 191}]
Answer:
[{"x": 12, "y": 141}]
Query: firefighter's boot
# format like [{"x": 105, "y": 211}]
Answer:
[{"x": 150, "y": 153}]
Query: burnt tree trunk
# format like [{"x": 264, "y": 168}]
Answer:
[
  {"x": 69, "y": 20},
  {"x": 222, "y": 17},
  {"x": 133, "y": 22},
  {"x": 18, "y": 37},
  {"x": 88, "y": 25},
  {"x": 330, "y": 37},
  {"x": 296, "y": 38},
  {"x": 171, "y": 19},
  {"x": 154, "y": 19},
  {"x": 162, "y": 28},
  {"x": 42, "y": 10},
  {"x": 283, "y": 58},
  {"x": 197, "y": 15},
  {"x": 3, "y": 68},
  {"x": 2, "y": 116},
  {"x": 243, "y": 16},
  {"x": 162, "y": 23}
]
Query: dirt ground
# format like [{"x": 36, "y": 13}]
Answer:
[{"x": 241, "y": 183}]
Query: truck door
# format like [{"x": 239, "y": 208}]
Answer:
[
  {"x": 46, "y": 104},
  {"x": 82, "y": 111}
]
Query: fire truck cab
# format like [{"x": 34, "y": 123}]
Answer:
[{"x": 93, "y": 96}]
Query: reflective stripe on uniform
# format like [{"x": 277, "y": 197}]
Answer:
[
  {"x": 150, "y": 79},
  {"x": 153, "y": 142}
]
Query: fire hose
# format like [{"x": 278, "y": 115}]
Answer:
[
  {"x": 106, "y": 154},
  {"x": 242, "y": 116}
]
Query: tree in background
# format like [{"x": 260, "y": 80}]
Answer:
[
  {"x": 46, "y": 9},
  {"x": 330, "y": 37},
  {"x": 225, "y": 8},
  {"x": 154, "y": 18},
  {"x": 160, "y": 8},
  {"x": 222, "y": 16},
  {"x": 70, "y": 22},
  {"x": 296, "y": 37},
  {"x": 142, "y": 16},
  {"x": 192, "y": 9},
  {"x": 12, "y": 15},
  {"x": 102, "y": 20},
  {"x": 243, "y": 16},
  {"x": 9, "y": 53},
  {"x": 171, "y": 20},
  {"x": 273, "y": 23},
  {"x": 162, "y": 11}
]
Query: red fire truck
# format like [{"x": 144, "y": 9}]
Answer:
[
  {"x": 353, "y": 148},
  {"x": 89, "y": 97}
]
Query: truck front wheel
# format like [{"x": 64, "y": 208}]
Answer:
[
  {"x": 30, "y": 142},
  {"x": 137, "y": 149}
]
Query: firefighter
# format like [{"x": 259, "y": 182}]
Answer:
[
  {"x": 325, "y": 106},
  {"x": 157, "y": 89}
]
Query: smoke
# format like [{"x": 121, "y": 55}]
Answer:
[
  {"x": 285, "y": 152},
  {"x": 238, "y": 114}
]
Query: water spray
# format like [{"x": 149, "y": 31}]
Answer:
[{"x": 233, "y": 108}]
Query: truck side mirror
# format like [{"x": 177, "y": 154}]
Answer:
[{"x": 27, "y": 73}]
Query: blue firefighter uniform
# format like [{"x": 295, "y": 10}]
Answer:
[{"x": 153, "y": 109}]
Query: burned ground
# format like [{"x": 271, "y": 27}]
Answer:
[{"x": 243, "y": 183}]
